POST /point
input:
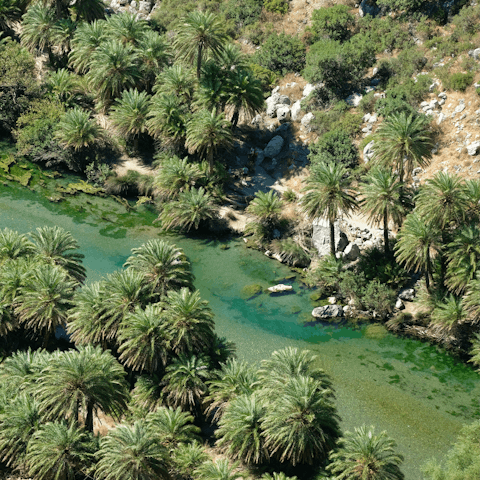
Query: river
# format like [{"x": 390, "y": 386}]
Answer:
[{"x": 418, "y": 394}]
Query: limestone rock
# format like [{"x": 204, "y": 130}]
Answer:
[
  {"x": 475, "y": 53},
  {"x": 283, "y": 100},
  {"x": 351, "y": 252},
  {"x": 354, "y": 99},
  {"x": 407, "y": 295},
  {"x": 399, "y": 304},
  {"x": 274, "y": 147},
  {"x": 321, "y": 237},
  {"x": 283, "y": 113},
  {"x": 296, "y": 110},
  {"x": 306, "y": 120},
  {"x": 308, "y": 89},
  {"x": 472, "y": 149},
  {"x": 328, "y": 311},
  {"x": 280, "y": 288},
  {"x": 459, "y": 108},
  {"x": 368, "y": 152}
]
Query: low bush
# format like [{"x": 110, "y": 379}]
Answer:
[
  {"x": 468, "y": 20},
  {"x": 276, "y": 6},
  {"x": 242, "y": 12},
  {"x": 335, "y": 22},
  {"x": 291, "y": 252},
  {"x": 337, "y": 118},
  {"x": 281, "y": 53},
  {"x": 334, "y": 146},
  {"x": 457, "y": 81},
  {"x": 266, "y": 77}
]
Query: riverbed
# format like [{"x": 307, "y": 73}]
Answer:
[{"x": 420, "y": 395}]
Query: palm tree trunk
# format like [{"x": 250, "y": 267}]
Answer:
[
  {"x": 89, "y": 418},
  {"x": 199, "y": 60},
  {"x": 427, "y": 273},
  {"x": 385, "y": 233},
  {"x": 332, "y": 238},
  {"x": 235, "y": 117},
  {"x": 210, "y": 161},
  {"x": 46, "y": 339}
]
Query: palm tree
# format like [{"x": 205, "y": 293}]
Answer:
[
  {"x": 18, "y": 421},
  {"x": 58, "y": 452},
  {"x": 188, "y": 457},
  {"x": 301, "y": 424},
  {"x": 131, "y": 453},
  {"x": 235, "y": 378},
  {"x": 88, "y": 37},
  {"x": 147, "y": 394},
  {"x": 113, "y": 68},
  {"x": 206, "y": 132},
  {"x": 9, "y": 11},
  {"x": 63, "y": 86},
  {"x": 37, "y": 24},
  {"x": 44, "y": 303},
  {"x": 287, "y": 364},
  {"x": 8, "y": 322},
  {"x": 185, "y": 385},
  {"x": 381, "y": 197},
  {"x": 14, "y": 245},
  {"x": 362, "y": 455},
  {"x": 83, "y": 382},
  {"x": 77, "y": 130},
  {"x": 14, "y": 276},
  {"x": 403, "y": 142},
  {"x": 245, "y": 95},
  {"x": 175, "y": 176},
  {"x": 58, "y": 247},
  {"x": 178, "y": 81},
  {"x": 448, "y": 315},
  {"x": 88, "y": 10},
  {"x": 125, "y": 290},
  {"x": 232, "y": 59},
  {"x": 126, "y": 28},
  {"x": 85, "y": 319},
  {"x": 418, "y": 244},
  {"x": 276, "y": 476},
  {"x": 240, "y": 433},
  {"x": 212, "y": 91},
  {"x": 62, "y": 35},
  {"x": 219, "y": 469},
  {"x": 190, "y": 321},
  {"x": 197, "y": 34},
  {"x": 154, "y": 56},
  {"x": 167, "y": 119},
  {"x": 190, "y": 209},
  {"x": 471, "y": 300},
  {"x": 144, "y": 340},
  {"x": 266, "y": 208},
  {"x": 328, "y": 194},
  {"x": 129, "y": 114},
  {"x": 472, "y": 191},
  {"x": 19, "y": 371},
  {"x": 172, "y": 427},
  {"x": 164, "y": 266},
  {"x": 463, "y": 258}
]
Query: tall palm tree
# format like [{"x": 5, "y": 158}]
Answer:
[
  {"x": 185, "y": 385},
  {"x": 235, "y": 378},
  {"x": 176, "y": 175},
  {"x": 45, "y": 301},
  {"x": 206, "y": 132},
  {"x": 14, "y": 245},
  {"x": 219, "y": 469},
  {"x": 129, "y": 114},
  {"x": 328, "y": 193},
  {"x": 240, "y": 433},
  {"x": 190, "y": 321},
  {"x": 154, "y": 56},
  {"x": 167, "y": 119},
  {"x": 85, "y": 320},
  {"x": 112, "y": 69},
  {"x": 472, "y": 192},
  {"x": 144, "y": 339},
  {"x": 147, "y": 394},
  {"x": 176, "y": 80},
  {"x": 362, "y": 455},
  {"x": 19, "y": 371},
  {"x": 125, "y": 290},
  {"x": 164, "y": 265},
  {"x": 126, "y": 28},
  {"x": 63, "y": 86},
  {"x": 188, "y": 457},
  {"x": 381, "y": 197},
  {"x": 301, "y": 424},
  {"x": 190, "y": 209},
  {"x": 131, "y": 453},
  {"x": 266, "y": 207},
  {"x": 172, "y": 426},
  {"x": 448, "y": 315},
  {"x": 212, "y": 91},
  {"x": 418, "y": 244},
  {"x": 58, "y": 247},
  {"x": 37, "y": 24},
  {"x": 403, "y": 142},
  {"x": 463, "y": 258},
  {"x": 57, "y": 451},
  {"x": 19, "y": 420},
  {"x": 245, "y": 95},
  {"x": 197, "y": 34},
  {"x": 82, "y": 383},
  {"x": 14, "y": 276},
  {"x": 88, "y": 37},
  {"x": 77, "y": 130}
]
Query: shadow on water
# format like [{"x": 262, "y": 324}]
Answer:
[{"x": 416, "y": 392}]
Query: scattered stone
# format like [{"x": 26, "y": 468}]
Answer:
[
  {"x": 306, "y": 120},
  {"x": 368, "y": 152},
  {"x": 474, "y": 53},
  {"x": 351, "y": 252},
  {"x": 354, "y": 99},
  {"x": 257, "y": 120},
  {"x": 399, "y": 305},
  {"x": 274, "y": 147},
  {"x": 440, "y": 118},
  {"x": 472, "y": 149},
  {"x": 332, "y": 300},
  {"x": 460, "y": 108},
  {"x": 296, "y": 111},
  {"x": 328, "y": 311},
  {"x": 283, "y": 114},
  {"x": 308, "y": 89},
  {"x": 407, "y": 295},
  {"x": 280, "y": 288}
]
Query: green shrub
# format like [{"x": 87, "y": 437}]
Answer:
[
  {"x": 276, "y": 6},
  {"x": 468, "y": 20},
  {"x": 334, "y": 146},
  {"x": 457, "y": 81},
  {"x": 337, "y": 118},
  {"x": 334, "y": 22},
  {"x": 378, "y": 297},
  {"x": 367, "y": 103},
  {"x": 289, "y": 195},
  {"x": 282, "y": 54},
  {"x": 242, "y": 12},
  {"x": 291, "y": 252},
  {"x": 266, "y": 77}
]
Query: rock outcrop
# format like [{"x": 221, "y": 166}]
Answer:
[{"x": 328, "y": 311}]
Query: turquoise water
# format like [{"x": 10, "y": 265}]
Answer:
[{"x": 415, "y": 392}]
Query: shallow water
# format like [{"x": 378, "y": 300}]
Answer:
[{"x": 415, "y": 392}]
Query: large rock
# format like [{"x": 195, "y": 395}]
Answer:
[
  {"x": 308, "y": 89},
  {"x": 351, "y": 252},
  {"x": 321, "y": 237},
  {"x": 475, "y": 53},
  {"x": 272, "y": 103},
  {"x": 472, "y": 149},
  {"x": 283, "y": 113},
  {"x": 328, "y": 311},
  {"x": 283, "y": 100},
  {"x": 354, "y": 99},
  {"x": 274, "y": 147},
  {"x": 407, "y": 295},
  {"x": 306, "y": 120},
  {"x": 368, "y": 7},
  {"x": 280, "y": 288},
  {"x": 368, "y": 152},
  {"x": 296, "y": 110}
]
